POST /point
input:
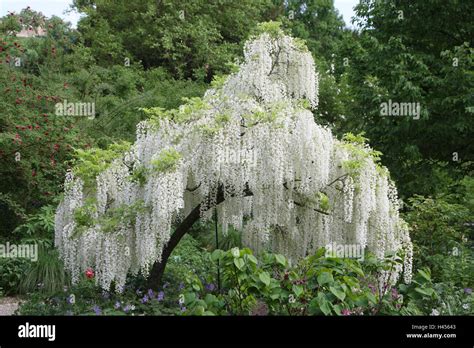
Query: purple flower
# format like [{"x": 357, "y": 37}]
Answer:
[
  {"x": 126, "y": 308},
  {"x": 394, "y": 293},
  {"x": 117, "y": 305},
  {"x": 183, "y": 309},
  {"x": 161, "y": 296},
  {"x": 151, "y": 293},
  {"x": 144, "y": 299},
  {"x": 181, "y": 286},
  {"x": 372, "y": 288},
  {"x": 210, "y": 287},
  {"x": 97, "y": 310},
  {"x": 346, "y": 312},
  {"x": 468, "y": 291}
]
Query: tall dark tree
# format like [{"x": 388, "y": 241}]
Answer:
[
  {"x": 191, "y": 39},
  {"x": 414, "y": 52}
]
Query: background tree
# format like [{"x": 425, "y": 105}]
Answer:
[
  {"x": 189, "y": 39},
  {"x": 407, "y": 52}
]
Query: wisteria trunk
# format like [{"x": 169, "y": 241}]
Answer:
[
  {"x": 156, "y": 274},
  {"x": 158, "y": 269}
]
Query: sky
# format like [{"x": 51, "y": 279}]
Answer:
[{"x": 58, "y": 8}]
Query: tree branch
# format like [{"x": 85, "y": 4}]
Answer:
[{"x": 157, "y": 271}]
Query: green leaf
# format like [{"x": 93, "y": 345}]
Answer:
[
  {"x": 275, "y": 296},
  {"x": 199, "y": 310},
  {"x": 403, "y": 287},
  {"x": 371, "y": 297},
  {"x": 425, "y": 291},
  {"x": 325, "y": 278},
  {"x": 280, "y": 259},
  {"x": 324, "y": 304},
  {"x": 361, "y": 301},
  {"x": 336, "y": 308},
  {"x": 252, "y": 259},
  {"x": 239, "y": 263},
  {"x": 265, "y": 278},
  {"x": 424, "y": 274},
  {"x": 339, "y": 293},
  {"x": 189, "y": 297},
  {"x": 210, "y": 298},
  {"x": 313, "y": 308},
  {"x": 298, "y": 290},
  {"x": 216, "y": 255}
]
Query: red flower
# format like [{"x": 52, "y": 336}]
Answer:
[
  {"x": 33, "y": 173},
  {"x": 90, "y": 273}
]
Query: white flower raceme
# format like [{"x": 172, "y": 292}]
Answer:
[{"x": 250, "y": 145}]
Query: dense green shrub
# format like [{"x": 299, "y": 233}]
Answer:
[
  {"x": 317, "y": 285},
  {"x": 441, "y": 239},
  {"x": 11, "y": 273}
]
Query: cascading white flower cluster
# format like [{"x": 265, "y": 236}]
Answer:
[{"x": 285, "y": 180}]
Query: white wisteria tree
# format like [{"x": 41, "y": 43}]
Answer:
[{"x": 251, "y": 149}]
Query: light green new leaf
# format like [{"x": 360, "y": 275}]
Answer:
[{"x": 265, "y": 278}]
